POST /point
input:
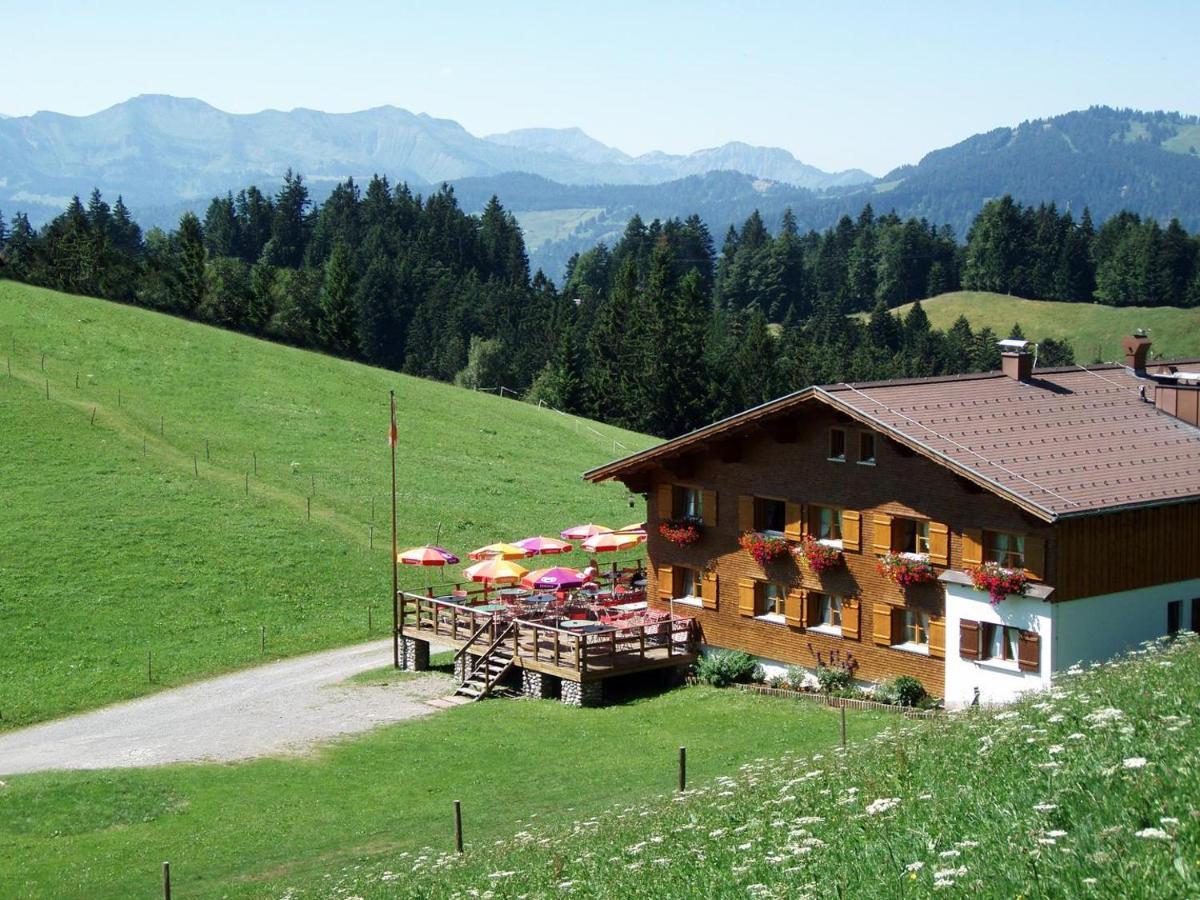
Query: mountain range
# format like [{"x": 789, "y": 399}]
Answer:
[{"x": 166, "y": 154}]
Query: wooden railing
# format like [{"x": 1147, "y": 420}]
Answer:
[{"x": 540, "y": 639}]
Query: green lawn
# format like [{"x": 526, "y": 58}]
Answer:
[
  {"x": 1094, "y": 331},
  {"x": 127, "y": 536},
  {"x": 1091, "y": 790},
  {"x": 254, "y": 829},
  {"x": 542, "y": 225}
]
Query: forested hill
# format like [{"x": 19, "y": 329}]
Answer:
[{"x": 1106, "y": 159}]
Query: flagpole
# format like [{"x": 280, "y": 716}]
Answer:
[{"x": 396, "y": 620}]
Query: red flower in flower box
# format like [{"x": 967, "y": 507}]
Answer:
[
  {"x": 906, "y": 568},
  {"x": 821, "y": 557},
  {"x": 681, "y": 532},
  {"x": 763, "y": 547},
  {"x": 998, "y": 581}
]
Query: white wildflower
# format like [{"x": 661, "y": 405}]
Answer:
[
  {"x": 1056, "y": 749},
  {"x": 914, "y": 866},
  {"x": 951, "y": 873},
  {"x": 1152, "y": 834},
  {"x": 949, "y": 854},
  {"x": 882, "y": 805},
  {"x": 1104, "y": 715},
  {"x": 1047, "y": 840},
  {"x": 1076, "y": 736},
  {"x": 1169, "y": 820},
  {"x": 1135, "y": 762},
  {"x": 1056, "y": 833},
  {"x": 498, "y": 875},
  {"x": 1045, "y": 807},
  {"x": 968, "y": 844}
]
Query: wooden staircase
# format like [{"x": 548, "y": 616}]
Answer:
[{"x": 492, "y": 665}]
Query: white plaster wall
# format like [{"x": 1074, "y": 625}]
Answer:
[
  {"x": 997, "y": 682},
  {"x": 1093, "y": 629}
]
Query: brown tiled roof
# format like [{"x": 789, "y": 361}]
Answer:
[{"x": 1068, "y": 442}]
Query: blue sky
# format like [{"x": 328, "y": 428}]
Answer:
[{"x": 869, "y": 85}]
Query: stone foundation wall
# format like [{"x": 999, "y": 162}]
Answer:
[
  {"x": 537, "y": 685},
  {"x": 414, "y": 654},
  {"x": 587, "y": 693}
]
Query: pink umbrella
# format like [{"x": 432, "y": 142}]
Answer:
[
  {"x": 557, "y": 578},
  {"x": 428, "y": 555},
  {"x": 612, "y": 541},
  {"x": 582, "y": 532},
  {"x": 541, "y": 545}
]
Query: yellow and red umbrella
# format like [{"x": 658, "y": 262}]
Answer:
[
  {"x": 611, "y": 542},
  {"x": 495, "y": 571},
  {"x": 542, "y": 545},
  {"x": 637, "y": 529},
  {"x": 500, "y": 551},
  {"x": 428, "y": 555},
  {"x": 583, "y": 532}
]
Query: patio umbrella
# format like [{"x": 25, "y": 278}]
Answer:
[
  {"x": 495, "y": 571},
  {"x": 557, "y": 578},
  {"x": 500, "y": 551},
  {"x": 583, "y": 532},
  {"x": 428, "y": 555},
  {"x": 637, "y": 529},
  {"x": 541, "y": 545},
  {"x": 612, "y": 541}
]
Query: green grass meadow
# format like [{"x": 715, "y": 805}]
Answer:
[
  {"x": 1089, "y": 790},
  {"x": 1094, "y": 331},
  {"x": 129, "y": 535},
  {"x": 255, "y": 829}
]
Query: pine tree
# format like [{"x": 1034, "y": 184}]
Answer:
[
  {"x": 190, "y": 281},
  {"x": 336, "y": 321}
]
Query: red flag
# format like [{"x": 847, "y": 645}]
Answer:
[{"x": 393, "y": 436}]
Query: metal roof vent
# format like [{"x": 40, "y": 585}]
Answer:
[{"x": 1015, "y": 359}]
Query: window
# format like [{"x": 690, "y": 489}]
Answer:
[
  {"x": 770, "y": 515},
  {"x": 1174, "y": 616},
  {"x": 866, "y": 448},
  {"x": 1005, "y": 549},
  {"x": 831, "y": 611},
  {"x": 910, "y": 535},
  {"x": 837, "y": 444},
  {"x": 1000, "y": 642},
  {"x": 688, "y": 583},
  {"x": 688, "y": 503},
  {"x": 825, "y": 523},
  {"x": 770, "y": 598},
  {"x": 916, "y": 628}
]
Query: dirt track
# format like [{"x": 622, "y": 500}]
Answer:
[{"x": 278, "y": 708}]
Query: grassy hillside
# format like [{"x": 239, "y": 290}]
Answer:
[
  {"x": 1094, "y": 331},
  {"x": 1091, "y": 790},
  {"x": 236, "y": 830},
  {"x": 136, "y": 534}
]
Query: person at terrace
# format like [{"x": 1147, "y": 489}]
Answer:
[{"x": 591, "y": 572}]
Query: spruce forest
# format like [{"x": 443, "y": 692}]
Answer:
[{"x": 660, "y": 333}]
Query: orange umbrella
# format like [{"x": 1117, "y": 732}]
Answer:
[
  {"x": 495, "y": 571},
  {"x": 637, "y": 529},
  {"x": 428, "y": 555},
  {"x": 612, "y": 541},
  {"x": 539, "y": 545},
  {"x": 582, "y": 532},
  {"x": 500, "y": 551}
]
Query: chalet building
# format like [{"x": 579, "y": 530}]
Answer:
[{"x": 1082, "y": 482}]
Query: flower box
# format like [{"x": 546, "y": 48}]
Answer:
[
  {"x": 998, "y": 581},
  {"x": 681, "y": 532},
  {"x": 907, "y": 568},
  {"x": 763, "y": 547},
  {"x": 820, "y": 555}
]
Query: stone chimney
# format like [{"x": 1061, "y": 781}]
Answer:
[
  {"x": 1015, "y": 359},
  {"x": 1137, "y": 349}
]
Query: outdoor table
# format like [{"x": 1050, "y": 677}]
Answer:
[
  {"x": 511, "y": 592},
  {"x": 490, "y": 607},
  {"x": 638, "y": 583},
  {"x": 636, "y": 606},
  {"x": 539, "y": 598},
  {"x": 584, "y": 626}
]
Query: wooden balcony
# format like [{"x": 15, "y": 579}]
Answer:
[{"x": 542, "y": 643}]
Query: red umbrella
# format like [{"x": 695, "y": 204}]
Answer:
[
  {"x": 582, "y": 532},
  {"x": 428, "y": 555},
  {"x": 541, "y": 545},
  {"x": 555, "y": 579}
]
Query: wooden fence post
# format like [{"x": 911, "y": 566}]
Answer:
[
  {"x": 458, "y": 843},
  {"x": 166, "y": 881},
  {"x": 682, "y": 769},
  {"x": 843, "y": 726}
]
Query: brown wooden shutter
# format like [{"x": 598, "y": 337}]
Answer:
[
  {"x": 968, "y": 639},
  {"x": 883, "y": 533},
  {"x": 745, "y": 513},
  {"x": 937, "y": 637},
  {"x": 850, "y": 618},
  {"x": 708, "y": 504},
  {"x": 1029, "y": 651},
  {"x": 746, "y": 596},
  {"x": 939, "y": 544},
  {"x": 881, "y": 624},
  {"x": 812, "y": 609},
  {"x": 666, "y": 584},
  {"x": 666, "y": 501},
  {"x": 851, "y": 530},
  {"x": 972, "y": 546},
  {"x": 1035, "y": 556},
  {"x": 709, "y": 590},
  {"x": 793, "y": 607},
  {"x": 794, "y": 529}
]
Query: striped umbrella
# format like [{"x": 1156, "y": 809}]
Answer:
[
  {"x": 495, "y": 571},
  {"x": 583, "y": 532},
  {"x": 428, "y": 555},
  {"x": 557, "y": 578},
  {"x": 637, "y": 529},
  {"x": 543, "y": 545},
  {"x": 500, "y": 551},
  {"x": 610, "y": 542}
]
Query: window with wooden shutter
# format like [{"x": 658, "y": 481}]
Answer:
[
  {"x": 851, "y": 530},
  {"x": 939, "y": 544},
  {"x": 666, "y": 584},
  {"x": 937, "y": 637},
  {"x": 1035, "y": 556},
  {"x": 881, "y": 624},
  {"x": 793, "y": 608},
  {"x": 709, "y": 505},
  {"x": 883, "y": 534},
  {"x": 709, "y": 590},
  {"x": 812, "y": 609},
  {"x": 745, "y": 513},
  {"x": 850, "y": 618},
  {"x": 666, "y": 497},
  {"x": 794, "y": 529},
  {"x": 746, "y": 596},
  {"x": 968, "y": 639},
  {"x": 972, "y": 546},
  {"x": 1029, "y": 651}
]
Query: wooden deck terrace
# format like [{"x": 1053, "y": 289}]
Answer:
[{"x": 539, "y": 644}]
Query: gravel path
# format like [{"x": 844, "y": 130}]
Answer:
[{"x": 278, "y": 708}]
